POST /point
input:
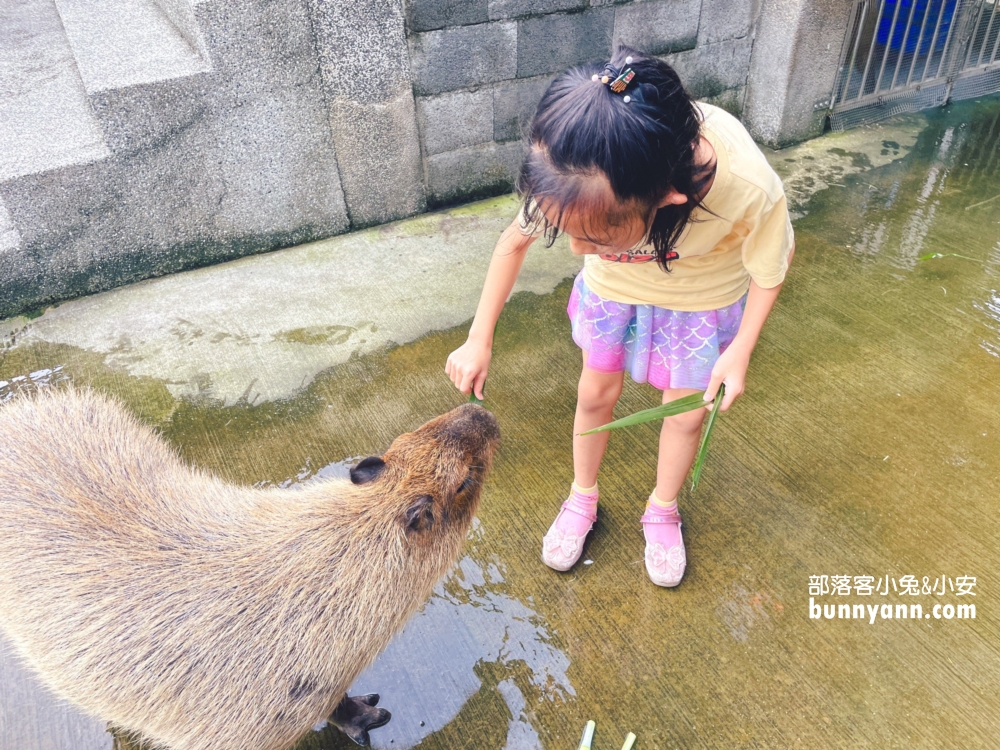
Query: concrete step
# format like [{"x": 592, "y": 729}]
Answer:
[
  {"x": 45, "y": 119},
  {"x": 119, "y": 43}
]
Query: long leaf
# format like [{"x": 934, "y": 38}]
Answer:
[
  {"x": 678, "y": 406},
  {"x": 703, "y": 448},
  {"x": 474, "y": 400}
]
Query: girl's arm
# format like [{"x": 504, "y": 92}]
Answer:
[
  {"x": 731, "y": 367},
  {"x": 467, "y": 366}
]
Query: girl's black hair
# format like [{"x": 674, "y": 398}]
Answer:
[{"x": 644, "y": 147}]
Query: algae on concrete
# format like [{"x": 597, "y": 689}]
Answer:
[{"x": 214, "y": 332}]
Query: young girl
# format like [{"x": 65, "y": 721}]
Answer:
[{"x": 686, "y": 239}]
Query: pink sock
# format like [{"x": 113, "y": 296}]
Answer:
[
  {"x": 584, "y": 500},
  {"x": 667, "y": 534}
]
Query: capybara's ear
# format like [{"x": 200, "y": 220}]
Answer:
[
  {"x": 369, "y": 469},
  {"x": 420, "y": 515}
]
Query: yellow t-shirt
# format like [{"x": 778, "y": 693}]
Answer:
[{"x": 747, "y": 235}]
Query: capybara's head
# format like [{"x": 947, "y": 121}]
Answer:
[{"x": 429, "y": 481}]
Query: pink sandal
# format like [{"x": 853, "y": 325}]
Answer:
[
  {"x": 562, "y": 544},
  {"x": 664, "y": 566}
]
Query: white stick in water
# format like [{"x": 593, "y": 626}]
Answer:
[
  {"x": 588, "y": 736},
  {"x": 629, "y": 741}
]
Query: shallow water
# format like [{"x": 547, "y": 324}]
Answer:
[{"x": 867, "y": 444}]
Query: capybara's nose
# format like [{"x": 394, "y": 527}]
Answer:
[{"x": 475, "y": 422}]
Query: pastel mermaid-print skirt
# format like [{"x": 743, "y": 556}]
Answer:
[{"x": 665, "y": 348}]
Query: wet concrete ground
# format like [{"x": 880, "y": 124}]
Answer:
[{"x": 867, "y": 445}]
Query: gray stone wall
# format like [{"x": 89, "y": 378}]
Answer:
[
  {"x": 142, "y": 137},
  {"x": 793, "y": 68},
  {"x": 125, "y": 152},
  {"x": 479, "y": 69}
]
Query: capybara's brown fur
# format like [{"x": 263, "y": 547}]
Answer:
[{"x": 204, "y": 615}]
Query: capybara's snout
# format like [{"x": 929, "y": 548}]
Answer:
[
  {"x": 474, "y": 419},
  {"x": 468, "y": 429},
  {"x": 472, "y": 427}
]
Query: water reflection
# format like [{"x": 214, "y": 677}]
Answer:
[
  {"x": 33, "y": 380},
  {"x": 32, "y": 719},
  {"x": 471, "y": 636},
  {"x": 335, "y": 470},
  {"x": 954, "y": 166},
  {"x": 990, "y": 307},
  {"x": 471, "y": 639}
]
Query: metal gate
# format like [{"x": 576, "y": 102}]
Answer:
[{"x": 908, "y": 55}]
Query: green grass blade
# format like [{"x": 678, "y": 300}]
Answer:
[
  {"x": 703, "y": 448},
  {"x": 678, "y": 406},
  {"x": 474, "y": 400}
]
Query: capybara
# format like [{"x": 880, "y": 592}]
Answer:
[{"x": 204, "y": 615}]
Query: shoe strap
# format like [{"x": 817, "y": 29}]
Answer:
[
  {"x": 590, "y": 515},
  {"x": 660, "y": 518}
]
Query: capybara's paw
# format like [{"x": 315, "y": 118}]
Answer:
[{"x": 355, "y": 717}]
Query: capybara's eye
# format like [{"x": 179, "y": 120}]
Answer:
[
  {"x": 465, "y": 485},
  {"x": 420, "y": 515}
]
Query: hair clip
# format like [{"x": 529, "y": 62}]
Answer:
[
  {"x": 619, "y": 81},
  {"x": 622, "y": 81}
]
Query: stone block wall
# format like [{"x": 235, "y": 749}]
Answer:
[
  {"x": 479, "y": 69},
  {"x": 187, "y": 160},
  {"x": 143, "y": 137}
]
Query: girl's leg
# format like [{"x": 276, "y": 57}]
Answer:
[
  {"x": 596, "y": 398},
  {"x": 679, "y": 437}
]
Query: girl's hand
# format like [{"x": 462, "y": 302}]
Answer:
[
  {"x": 731, "y": 369},
  {"x": 467, "y": 367}
]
